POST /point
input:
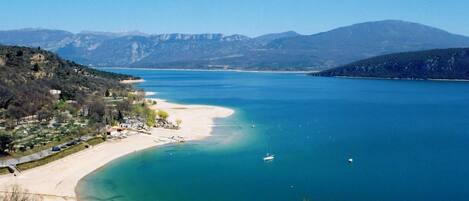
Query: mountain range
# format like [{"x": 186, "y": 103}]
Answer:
[{"x": 285, "y": 51}]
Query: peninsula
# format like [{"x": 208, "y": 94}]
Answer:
[{"x": 438, "y": 64}]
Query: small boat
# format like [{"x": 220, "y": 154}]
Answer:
[
  {"x": 268, "y": 157},
  {"x": 350, "y": 160}
]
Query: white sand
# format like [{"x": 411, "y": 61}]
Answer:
[
  {"x": 132, "y": 81},
  {"x": 197, "y": 120},
  {"x": 57, "y": 180}
]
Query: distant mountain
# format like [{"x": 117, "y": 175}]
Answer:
[
  {"x": 287, "y": 50},
  {"x": 114, "y": 34},
  {"x": 359, "y": 41},
  {"x": 430, "y": 64},
  {"x": 47, "y": 39},
  {"x": 274, "y": 36},
  {"x": 154, "y": 50}
]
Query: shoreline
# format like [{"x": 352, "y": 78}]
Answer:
[
  {"x": 404, "y": 79},
  {"x": 214, "y": 70},
  {"x": 132, "y": 81},
  {"x": 58, "y": 180}
]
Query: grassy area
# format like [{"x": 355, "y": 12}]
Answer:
[
  {"x": 95, "y": 141},
  {"x": 4, "y": 170},
  {"x": 39, "y": 148},
  {"x": 59, "y": 155}
]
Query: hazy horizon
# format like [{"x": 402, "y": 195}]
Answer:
[
  {"x": 137, "y": 32},
  {"x": 250, "y": 18}
]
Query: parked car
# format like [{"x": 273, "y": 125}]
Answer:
[
  {"x": 74, "y": 142},
  {"x": 56, "y": 148}
]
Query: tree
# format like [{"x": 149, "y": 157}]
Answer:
[
  {"x": 163, "y": 114},
  {"x": 120, "y": 116},
  {"x": 107, "y": 93},
  {"x": 15, "y": 112},
  {"x": 46, "y": 113},
  {"x": 97, "y": 110},
  {"x": 5, "y": 142},
  {"x": 16, "y": 193},
  {"x": 151, "y": 118}
]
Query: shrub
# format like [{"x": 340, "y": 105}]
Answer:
[
  {"x": 163, "y": 114},
  {"x": 151, "y": 117}
]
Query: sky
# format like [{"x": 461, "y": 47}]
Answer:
[{"x": 248, "y": 17}]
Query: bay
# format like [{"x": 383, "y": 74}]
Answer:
[{"x": 408, "y": 139}]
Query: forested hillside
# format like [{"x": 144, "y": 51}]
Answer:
[
  {"x": 29, "y": 74},
  {"x": 431, "y": 64}
]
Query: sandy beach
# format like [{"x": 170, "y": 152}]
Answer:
[
  {"x": 57, "y": 180},
  {"x": 132, "y": 81}
]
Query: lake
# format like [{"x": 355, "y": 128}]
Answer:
[{"x": 409, "y": 140}]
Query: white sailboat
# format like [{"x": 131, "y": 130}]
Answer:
[{"x": 268, "y": 157}]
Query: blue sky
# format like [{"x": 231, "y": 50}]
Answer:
[{"x": 249, "y": 17}]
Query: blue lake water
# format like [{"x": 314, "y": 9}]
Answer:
[{"x": 409, "y": 141}]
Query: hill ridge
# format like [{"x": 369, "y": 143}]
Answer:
[{"x": 452, "y": 63}]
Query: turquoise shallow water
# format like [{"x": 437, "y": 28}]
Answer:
[{"x": 409, "y": 141}]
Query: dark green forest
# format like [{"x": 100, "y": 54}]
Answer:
[{"x": 431, "y": 64}]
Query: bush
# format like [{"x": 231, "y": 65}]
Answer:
[
  {"x": 163, "y": 114},
  {"x": 151, "y": 117}
]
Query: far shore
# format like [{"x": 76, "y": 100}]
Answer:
[
  {"x": 58, "y": 180},
  {"x": 409, "y": 79},
  {"x": 214, "y": 70}
]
